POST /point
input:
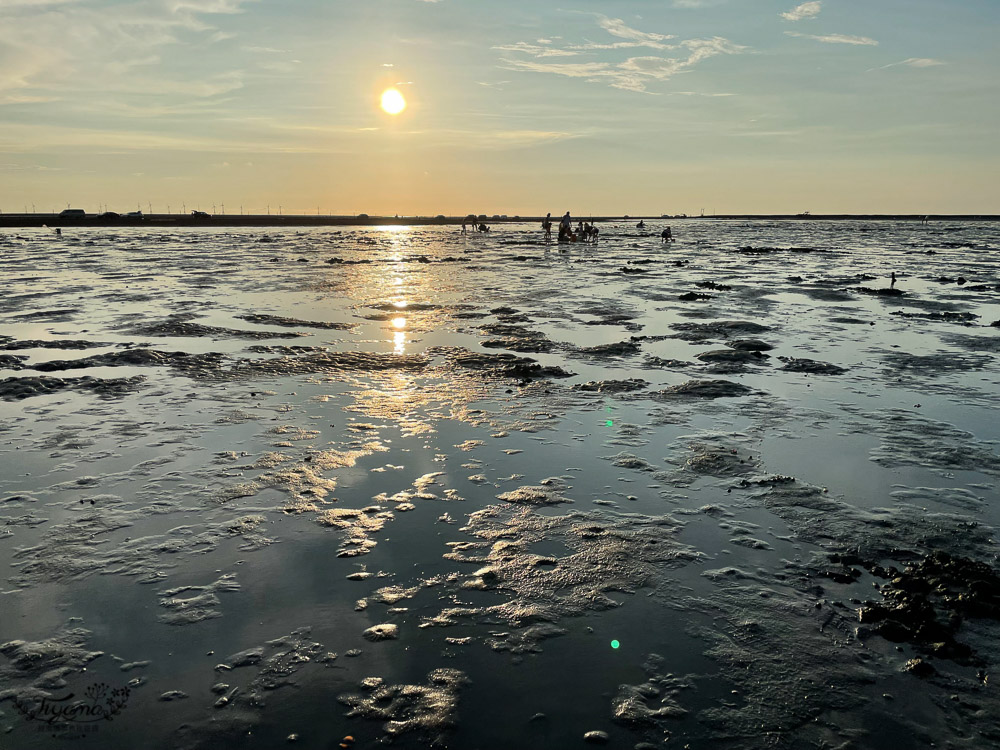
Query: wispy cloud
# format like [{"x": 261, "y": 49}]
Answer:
[
  {"x": 536, "y": 50},
  {"x": 836, "y": 38},
  {"x": 617, "y": 27},
  {"x": 79, "y": 46},
  {"x": 801, "y": 12},
  {"x": 632, "y": 74},
  {"x": 913, "y": 62}
]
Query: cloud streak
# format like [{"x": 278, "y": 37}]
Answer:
[
  {"x": 632, "y": 74},
  {"x": 836, "y": 38},
  {"x": 804, "y": 11}
]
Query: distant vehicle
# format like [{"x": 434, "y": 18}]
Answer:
[
  {"x": 72, "y": 213},
  {"x": 107, "y": 215},
  {"x": 496, "y": 216},
  {"x": 482, "y": 216},
  {"x": 440, "y": 216},
  {"x": 362, "y": 216},
  {"x": 133, "y": 215},
  {"x": 200, "y": 214},
  {"x": 517, "y": 217}
]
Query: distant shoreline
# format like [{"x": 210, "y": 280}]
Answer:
[{"x": 9, "y": 221}]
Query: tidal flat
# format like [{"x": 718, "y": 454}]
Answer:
[{"x": 359, "y": 487}]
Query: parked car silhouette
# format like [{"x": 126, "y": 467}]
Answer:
[{"x": 72, "y": 213}]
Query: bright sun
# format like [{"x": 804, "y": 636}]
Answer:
[{"x": 393, "y": 102}]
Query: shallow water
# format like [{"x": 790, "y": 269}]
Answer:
[{"x": 225, "y": 455}]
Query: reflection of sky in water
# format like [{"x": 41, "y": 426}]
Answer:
[{"x": 165, "y": 454}]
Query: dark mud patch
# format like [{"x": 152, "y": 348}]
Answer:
[
  {"x": 277, "y": 320},
  {"x": 190, "y": 604},
  {"x": 732, "y": 358},
  {"x": 934, "y": 365},
  {"x": 721, "y": 456},
  {"x": 782, "y": 693},
  {"x": 880, "y": 291},
  {"x": 909, "y": 440},
  {"x": 823, "y": 294},
  {"x": 80, "y": 547},
  {"x": 17, "y": 389},
  {"x": 186, "y": 329},
  {"x": 516, "y": 338},
  {"x": 810, "y": 366},
  {"x": 717, "y": 330},
  {"x": 927, "y": 601},
  {"x": 190, "y": 363},
  {"x": 11, "y": 361},
  {"x": 749, "y": 345},
  {"x": 707, "y": 389},
  {"x": 976, "y": 343},
  {"x": 49, "y": 316},
  {"x": 31, "y": 668},
  {"x": 275, "y": 662},
  {"x": 500, "y": 366},
  {"x": 961, "y": 318},
  {"x": 612, "y": 386},
  {"x": 607, "y": 351},
  {"x": 9, "y": 344}
]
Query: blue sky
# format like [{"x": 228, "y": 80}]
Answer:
[{"x": 514, "y": 106}]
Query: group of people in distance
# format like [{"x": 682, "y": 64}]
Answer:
[
  {"x": 476, "y": 227},
  {"x": 585, "y": 232}
]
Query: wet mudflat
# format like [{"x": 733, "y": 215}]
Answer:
[{"x": 417, "y": 488}]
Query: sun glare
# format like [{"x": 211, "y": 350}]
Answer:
[{"x": 393, "y": 102}]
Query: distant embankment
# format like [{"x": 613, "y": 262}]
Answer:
[{"x": 302, "y": 220}]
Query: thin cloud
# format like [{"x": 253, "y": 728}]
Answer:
[
  {"x": 617, "y": 27},
  {"x": 836, "y": 38},
  {"x": 804, "y": 11},
  {"x": 632, "y": 74},
  {"x": 536, "y": 50},
  {"x": 913, "y": 62}
]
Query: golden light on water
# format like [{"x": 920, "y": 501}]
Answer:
[
  {"x": 399, "y": 322},
  {"x": 393, "y": 102}
]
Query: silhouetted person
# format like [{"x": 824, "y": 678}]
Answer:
[
  {"x": 565, "y": 228},
  {"x": 892, "y": 283},
  {"x": 666, "y": 235},
  {"x": 547, "y": 225},
  {"x": 641, "y": 224}
]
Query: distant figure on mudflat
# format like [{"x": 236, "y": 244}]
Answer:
[
  {"x": 641, "y": 224},
  {"x": 566, "y": 228},
  {"x": 464, "y": 230},
  {"x": 666, "y": 235},
  {"x": 547, "y": 225},
  {"x": 892, "y": 283}
]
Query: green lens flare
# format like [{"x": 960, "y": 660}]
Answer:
[
  {"x": 615, "y": 644},
  {"x": 610, "y": 423}
]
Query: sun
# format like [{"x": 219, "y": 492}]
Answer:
[{"x": 393, "y": 102}]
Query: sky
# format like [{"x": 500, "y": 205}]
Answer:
[{"x": 514, "y": 107}]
